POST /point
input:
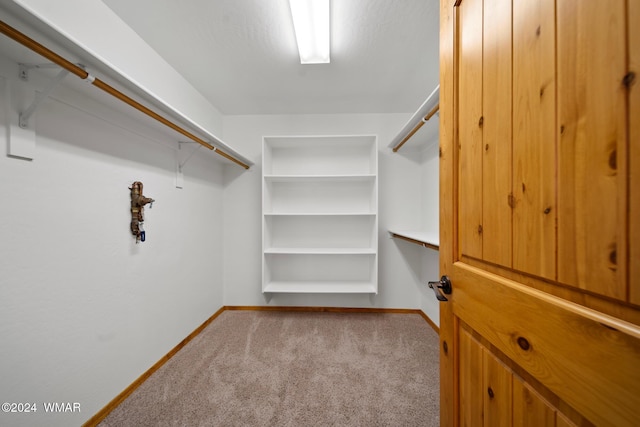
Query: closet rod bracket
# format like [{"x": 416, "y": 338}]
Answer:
[
  {"x": 23, "y": 120},
  {"x": 23, "y": 71},
  {"x": 181, "y": 164}
]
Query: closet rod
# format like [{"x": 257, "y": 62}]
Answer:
[
  {"x": 78, "y": 71},
  {"x": 429, "y": 107},
  {"x": 418, "y": 126}
]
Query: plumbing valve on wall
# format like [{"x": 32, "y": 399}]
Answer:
[{"x": 138, "y": 200}]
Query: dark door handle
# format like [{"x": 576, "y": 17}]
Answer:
[{"x": 443, "y": 285}]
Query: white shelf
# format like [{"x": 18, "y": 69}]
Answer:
[
  {"x": 320, "y": 251},
  {"x": 320, "y": 155},
  {"x": 309, "y": 267},
  {"x": 318, "y": 178},
  {"x": 321, "y": 287},
  {"x": 319, "y": 231},
  {"x": 323, "y": 214},
  {"x": 320, "y": 222},
  {"x": 423, "y": 238},
  {"x": 330, "y": 195}
]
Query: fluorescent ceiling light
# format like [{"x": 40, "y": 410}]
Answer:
[{"x": 311, "y": 23}]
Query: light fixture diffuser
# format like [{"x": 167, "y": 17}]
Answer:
[{"x": 312, "y": 28}]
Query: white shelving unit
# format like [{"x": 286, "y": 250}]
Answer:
[{"x": 320, "y": 214}]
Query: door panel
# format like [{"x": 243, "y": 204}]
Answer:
[
  {"x": 449, "y": 390},
  {"x": 529, "y": 408},
  {"x": 562, "y": 421},
  {"x": 534, "y": 130},
  {"x": 470, "y": 128},
  {"x": 540, "y": 339},
  {"x": 497, "y": 386},
  {"x": 491, "y": 394},
  {"x": 497, "y": 196},
  {"x": 470, "y": 380},
  {"x": 592, "y": 137},
  {"x": 563, "y": 345},
  {"x": 634, "y": 146}
]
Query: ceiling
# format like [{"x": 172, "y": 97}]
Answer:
[{"x": 242, "y": 56}]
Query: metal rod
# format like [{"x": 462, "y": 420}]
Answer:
[{"x": 74, "y": 69}]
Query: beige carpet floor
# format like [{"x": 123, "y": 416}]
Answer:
[{"x": 256, "y": 368}]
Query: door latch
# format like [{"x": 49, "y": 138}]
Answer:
[{"x": 441, "y": 287}]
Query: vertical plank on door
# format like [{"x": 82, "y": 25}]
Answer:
[
  {"x": 562, "y": 421},
  {"x": 471, "y": 393},
  {"x": 448, "y": 210},
  {"x": 592, "y": 146},
  {"x": 534, "y": 91},
  {"x": 529, "y": 408},
  {"x": 497, "y": 387},
  {"x": 470, "y": 127},
  {"x": 634, "y": 147},
  {"x": 496, "y": 133}
]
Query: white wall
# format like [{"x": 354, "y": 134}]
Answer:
[
  {"x": 400, "y": 203},
  {"x": 84, "y": 310},
  {"x": 430, "y": 217}
]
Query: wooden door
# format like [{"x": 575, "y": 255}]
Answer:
[{"x": 540, "y": 212}]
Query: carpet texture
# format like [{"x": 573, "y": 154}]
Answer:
[{"x": 257, "y": 368}]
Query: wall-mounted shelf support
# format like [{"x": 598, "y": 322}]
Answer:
[
  {"x": 181, "y": 163},
  {"x": 23, "y": 71},
  {"x": 184, "y": 162},
  {"x": 23, "y": 121}
]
